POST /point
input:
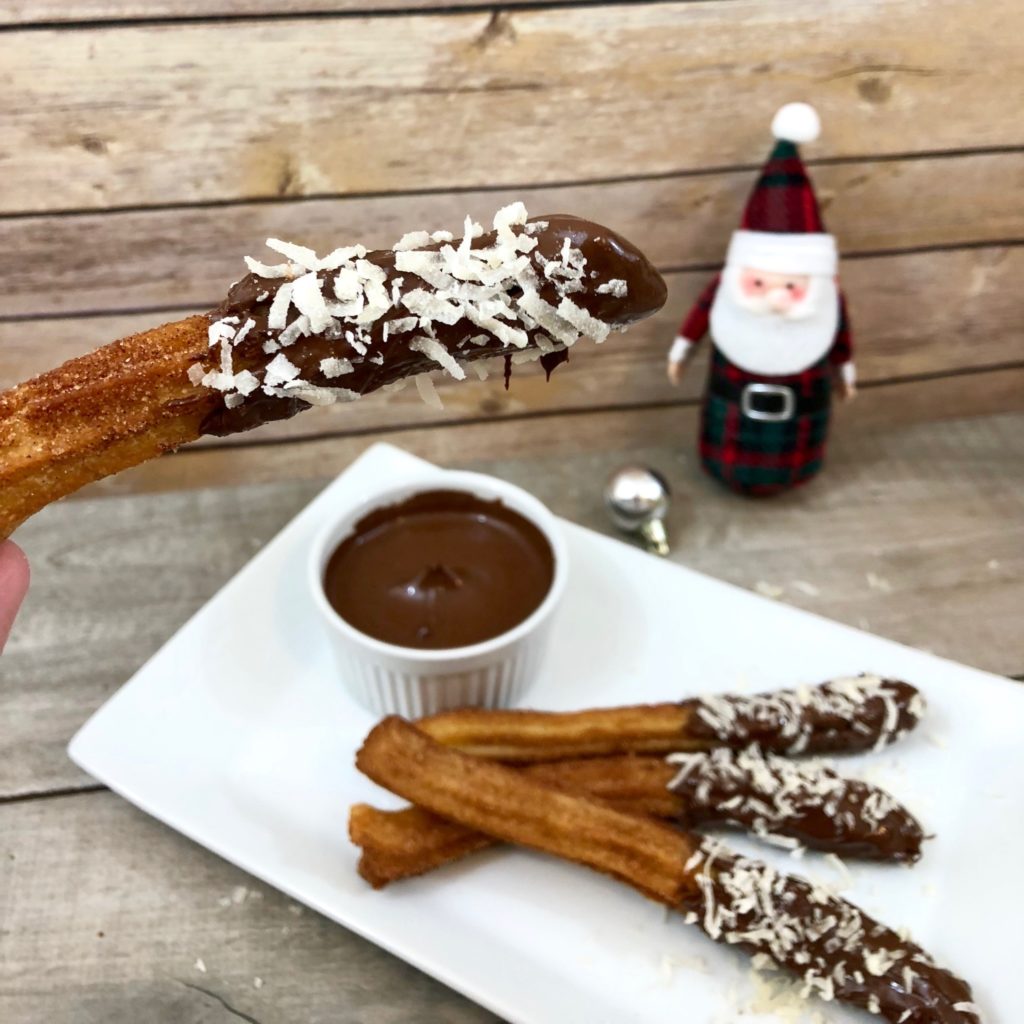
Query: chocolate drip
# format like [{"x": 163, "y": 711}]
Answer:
[
  {"x": 837, "y": 950},
  {"x": 803, "y": 801},
  {"x": 383, "y": 362},
  {"x": 552, "y": 360},
  {"x": 845, "y": 715}
]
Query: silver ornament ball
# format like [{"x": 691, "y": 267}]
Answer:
[{"x": 637, "y": 499}]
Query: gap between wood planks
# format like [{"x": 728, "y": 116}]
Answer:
[
  {"x": 697, "y": 172},
  {"x": 50, "y": 794},
  {"x": 329, "y": 15}
]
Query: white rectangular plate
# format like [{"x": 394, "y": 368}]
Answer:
[{"x": 237, "y": 734}]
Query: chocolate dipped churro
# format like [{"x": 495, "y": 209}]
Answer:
[
  {"x": 835, "y": 949},
  {"x": 843, "y": 715},
  {"x": 311, "y": 331},
  {"x": 794, "y": 803},
  {"x": 787, "y": 803}
]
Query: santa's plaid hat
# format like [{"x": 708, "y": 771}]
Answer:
[{"x": 782, "y": 228}]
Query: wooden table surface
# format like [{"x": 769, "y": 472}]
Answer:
[
  {"x": 915, "y": 532},
  {"x": 141, "y": 159}
]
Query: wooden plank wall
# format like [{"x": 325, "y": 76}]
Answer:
[{"x": 145, "y": 147}]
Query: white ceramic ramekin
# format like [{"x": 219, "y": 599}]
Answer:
[{"x": 389, "y": 679}]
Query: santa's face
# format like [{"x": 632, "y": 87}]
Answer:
[
  {"x": 773, "y": 323},
  {"x": 762, "y": 291}
]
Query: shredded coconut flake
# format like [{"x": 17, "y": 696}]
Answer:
[
  {"x": 806, "y": 588},
  {"x": 265, "y": 270},
  {"x": 297, "y": 328},
  {"x": 309, "y": 300},
  {"x": 277, "y": 316},
  {"x": 435, "y": 350},
  {"x": 339, "y": 257},
  {"x": 425, "y": 386},
  {"x": 331, "y": 368},
  {"x": 279, "y": 370},
  {"x": 221, "y": 330},
  {"x": 305, "y": 258},
  {"x": 583, "y": 321},
  {"x": 243, "y": 332},
  {"x": 412, "y": 240},
  {"x": 616, "y": 287},
  {"x": 876, "y": 582},
  {"x": 246, "y": 383},
  {"x": 314, "y": 394},
  {"x": 402, "y": 324}
]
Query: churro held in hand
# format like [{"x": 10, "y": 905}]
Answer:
[{"x": 310, "y": 330}]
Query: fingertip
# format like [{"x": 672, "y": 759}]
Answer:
[{"x": 14, "y": 573}]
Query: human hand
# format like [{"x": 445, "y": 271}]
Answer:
[{"x": 14, "y": 577}]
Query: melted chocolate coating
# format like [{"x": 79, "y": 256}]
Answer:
[
  {"x": 441, "y": 569},
  {"x": 608, "y": 256},
  {"x": 820, "y": 719},
  {"x": 808, "y": 802},
  {"x": 832, "y": 945}
]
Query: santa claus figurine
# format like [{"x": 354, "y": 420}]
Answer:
[{"x": 779, "y": 330}]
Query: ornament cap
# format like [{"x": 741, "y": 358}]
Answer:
[{"x": 796, "y": 122}]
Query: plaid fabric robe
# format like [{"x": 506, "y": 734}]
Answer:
[{"x": 754, "y": 457}]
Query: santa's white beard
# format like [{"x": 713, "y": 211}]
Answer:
[{"x": 774, "y": 344}]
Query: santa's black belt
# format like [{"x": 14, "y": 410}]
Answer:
[{"x": 769, "y": 403}]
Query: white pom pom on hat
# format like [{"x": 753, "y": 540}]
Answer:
[{"x": 796, "y": 122}]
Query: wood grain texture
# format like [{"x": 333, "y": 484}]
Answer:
[
  {"x": 913, "y": 314},
  {"x": 562, "y": 434},
  {"x": 43, "y": 12},
  {"x": 137, "y": 259},
  {"x": 106, "y": 912},
  {"x": 142, "y": 115},
  {"x": 115, "y": 577}
]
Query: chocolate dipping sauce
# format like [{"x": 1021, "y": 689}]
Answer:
[{"x": 440, "y": 569}]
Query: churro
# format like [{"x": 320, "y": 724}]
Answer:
[
  {"x": 842, "y": 715},
  {"x": 311, "y": 330},
  {"x": 790, "y": 804},
  {"x": 835, "y": 949},
  {"x": 402, "y": 844}
]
